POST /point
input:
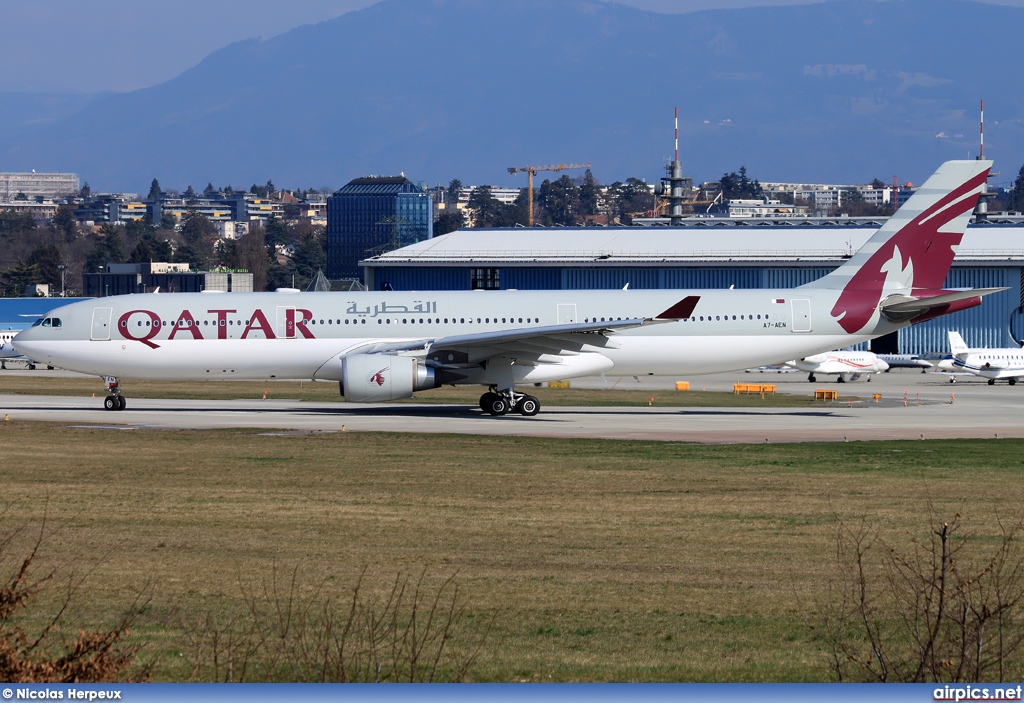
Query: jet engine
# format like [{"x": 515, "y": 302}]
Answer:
[{"x": 374, "y": 378}]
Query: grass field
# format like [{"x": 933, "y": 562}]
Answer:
[{"x": 593, "y": 560}]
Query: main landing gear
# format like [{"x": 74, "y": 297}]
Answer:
[
  {"x": 114, "y": 401},
  {"x": 506, "y": 401}
]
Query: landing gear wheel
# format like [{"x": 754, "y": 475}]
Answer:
[
  {"x": 991, "y": 381},
  {"x": 486, "y": 399},
  {"x": 528, "y": 406},
  {"x": 952, "y": 379},
  {"x": 840, "y": 380},
  {"x": 498, "y": 405},
  {"x": 121, "y": 402},
  {"x": 1012, "y": 381},
  {"x": 110, "y": 402},
  {"x": 811, "y": 378}
]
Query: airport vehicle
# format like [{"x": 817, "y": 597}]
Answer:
[
  {"x": 992, "y": 364},
  {"x": 854, "y": 363},
  {"x": 387, "y": 345}
]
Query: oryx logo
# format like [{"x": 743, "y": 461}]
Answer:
[
  {"x": 378, "y": 377},
  {"x": 918, "y": 255}
]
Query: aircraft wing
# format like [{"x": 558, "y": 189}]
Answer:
[
  {"x": 528, "y": 345},
  {"x": 897, "y": 308}
]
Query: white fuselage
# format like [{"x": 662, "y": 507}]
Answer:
[
  {"x": 305, "y": 335},
  {"x": 838, "y": 362}
]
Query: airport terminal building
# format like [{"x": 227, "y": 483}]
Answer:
[{"x": 711, "y": 253}]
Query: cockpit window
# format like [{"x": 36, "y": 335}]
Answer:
[
  {"x": 56, "y": 321},
  {"x": 37, "y": 322},
  {"x": 46, "y": 322}
]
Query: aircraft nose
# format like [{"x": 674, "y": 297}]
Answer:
[{"x": 883, "y": 365}]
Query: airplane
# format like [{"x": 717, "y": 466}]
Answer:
[
  {"x": 8, "y": 352},
  {"x": 840, "y": 362},
  {"x": 387, "y": 345},
  {"x": 993, "y": 364}
]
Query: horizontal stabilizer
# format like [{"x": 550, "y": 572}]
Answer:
[{"x": 898, "y": 308}]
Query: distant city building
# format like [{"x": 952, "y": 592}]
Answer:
[
  {"x": 38, "y": 185},
  {"x": 372, "y": 215},
  {"x": 121, "y": 279},
  {"x": 823, "y": 197},
  {"x": 41, "y": 210},
  {"x": 240, "y": 207},
  {"x": 112, "y": 208},
  {"x": 765, "y": 208}
]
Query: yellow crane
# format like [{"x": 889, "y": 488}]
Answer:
[{"x": 532, "y": 170}]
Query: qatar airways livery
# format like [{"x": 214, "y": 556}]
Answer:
[{"x": 386, "y": 345}]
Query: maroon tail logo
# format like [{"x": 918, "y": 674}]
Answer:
[
  {"x": 378, "y": 377},
  {"x": 919, "y": 255}
]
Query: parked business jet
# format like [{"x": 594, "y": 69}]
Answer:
[
  {"x": 854, "y": 363},
  {"x": 993, "y": 364},
  {"x": 386, "y": 345},
  {"x": 8, "y": 352}
]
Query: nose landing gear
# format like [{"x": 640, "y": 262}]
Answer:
[{"x": 114, "y": 401}]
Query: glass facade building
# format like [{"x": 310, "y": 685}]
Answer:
[{"x": 372, "y": 215}]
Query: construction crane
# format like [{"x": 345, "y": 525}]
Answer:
[{"x": 532, "y": 170}]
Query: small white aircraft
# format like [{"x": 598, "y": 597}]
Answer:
[
  {"x": 993, "y": 364},
  {"x": 8, "y": 352},
  {"x": 854, "y": 363},
  {"x": 384, "y": 346}
]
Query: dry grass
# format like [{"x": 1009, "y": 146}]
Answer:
[{"x": 596, "y": 560}]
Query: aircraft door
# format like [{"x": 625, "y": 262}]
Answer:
[
  {"x": 100, "y": 324},
  {"x": 801, "y": 315},
  {"x": 286, "y": 323},
  {"x": 566, "y": 313}
]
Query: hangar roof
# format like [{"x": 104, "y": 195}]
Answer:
[{"x": 619, "y": 246}]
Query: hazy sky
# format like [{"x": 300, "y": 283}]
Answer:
[{"x": 82, "y": 47}]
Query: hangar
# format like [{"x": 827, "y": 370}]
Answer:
[{"x": 711, "y": 253}]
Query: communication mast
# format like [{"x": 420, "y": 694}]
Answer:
[
  {"x": 531, "y": 171},
  {"x": 674, "y": 184}
]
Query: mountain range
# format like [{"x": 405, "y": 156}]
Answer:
[{"x": 841, "y": 91}]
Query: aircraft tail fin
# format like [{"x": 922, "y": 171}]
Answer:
[
  {"x": 915, "y": 247},
  {"x": 957, "y": 345}
]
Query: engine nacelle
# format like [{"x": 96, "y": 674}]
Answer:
[{"x": 375, "y": 378}]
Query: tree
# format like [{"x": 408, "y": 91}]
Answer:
[
  {"x": 251, "y": 255},
  {"x": 64, "y": 223},
  {"x": 154, "y": 190},
  {"x": 209, "y": 191},
  {"x": 48, "y": 260},
  {"x": 108, "y": 248},
  {"x": 198, "y": 235},
  {"x": 20, "y": 197},
  {"x": 448, "y": 221},
  {"x": 276, "y": 232},
  {"x": 1015, "y": 196},
  {"x": 453, "y": 190},
  {"x": 588, "y": 194},
  {"x": 189, "y": 193},
  {"x": 561, "y": 200},
  {"x": 142, "y": 253},
  {"x": 737, "y": 186},
  {"x": 86, "y": 191},
  {"x": 20, "y": 277}
]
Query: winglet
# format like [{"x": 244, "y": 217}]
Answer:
[{"x": 681, "y": 310}]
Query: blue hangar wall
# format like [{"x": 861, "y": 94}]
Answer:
[{"x": 997, "y": 322}]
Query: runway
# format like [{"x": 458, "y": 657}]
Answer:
[{"x": 932, "y": 409}]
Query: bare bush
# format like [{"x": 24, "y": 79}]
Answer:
[
  {"x": 944, "y": 611},
  {"x": 288, "y": 636},
  {"x": 35, "y": 656}
]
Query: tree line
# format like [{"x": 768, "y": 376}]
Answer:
[{"x": 43, "y": 253}]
